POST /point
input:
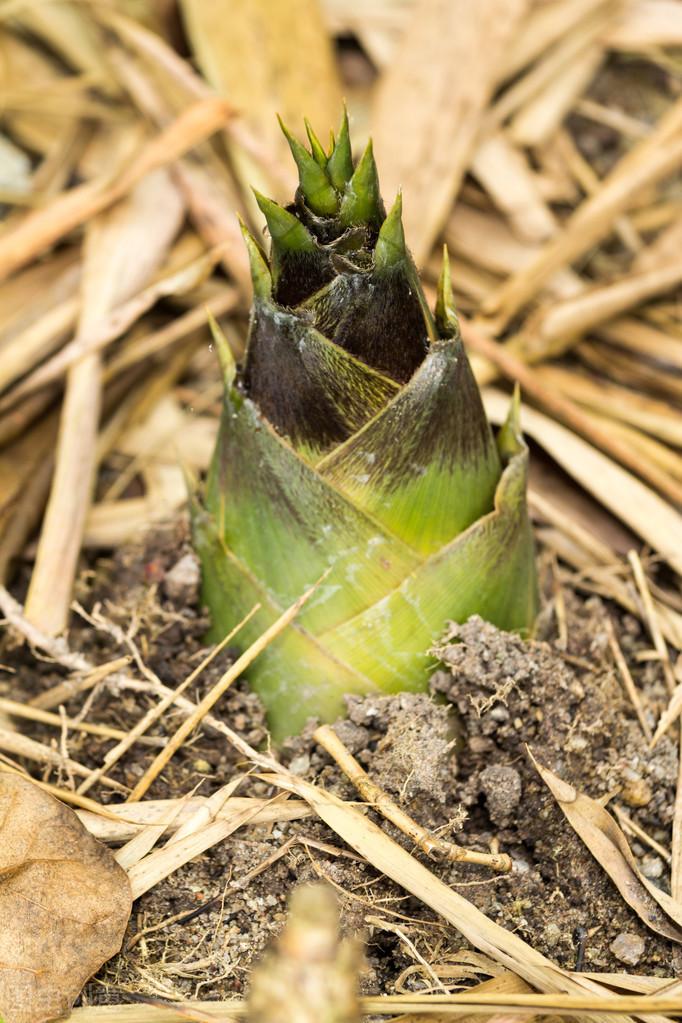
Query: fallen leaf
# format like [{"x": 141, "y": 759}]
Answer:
[
  {"x": 64, "y": 904},
  {"x": 607, "y": 843}
]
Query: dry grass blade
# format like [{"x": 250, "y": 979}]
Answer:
[
  {"x": 571, "y": 414},
  {"x": 658, "y": 156},
  {"x": 123, "y": 822},
  {"x": 430, "y": 101},
  {"x": 254, "y": 53},
  {"x": 155, "y": 712},
  {"x": 163, "y": 862},
  {"x": 426, "y": 1007}
]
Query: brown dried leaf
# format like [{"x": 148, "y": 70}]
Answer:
[
  {"x": 607, "y": 843},
  {"x": 64, "y": 902}
]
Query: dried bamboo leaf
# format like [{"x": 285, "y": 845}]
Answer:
[
  {"x": 430, "y": 101},
  {"x": 537, "y": 121},
  {"x": 505, "y": 173},
  {"x": 134, "y": 817},
  {"x": 124, "y": 248},
  {"x": 656, "y": 157},
  {"x": 68, "y": 30},
  {"x": 646, "y": 24},
  {"x": 607, "y": 843},
  {"x": 654, "y": 520},
  {"x": 263, "y": 55}
]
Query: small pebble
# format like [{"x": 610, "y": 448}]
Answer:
[
  {"x": 181, "y": 583},
  {"x": 628, "y": 948},
  {"x": 300, "y": 765},
  {"x": 636, "y": 792},
  {"x": 652, "y": 866}
]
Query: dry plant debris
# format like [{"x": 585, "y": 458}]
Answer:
[
  {"x": 541, "y": 140},
  {"x": 65, "y": 904}
]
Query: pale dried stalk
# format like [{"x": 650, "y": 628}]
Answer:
[
  {"x": 562, "y": 323},
  {"x": 178, "y": 329},
  {"x": 436, "y": 848},
  {"x": 554, "y": 514},
  {"x": 545, "y": 24},
  {"x": 504, "y": 172},
  {"x": 22, "y": 746},
  {"x": 32, "y": 713},
  {"x": 209, "y": 192},
  {"x": 439, "y": 1008},
  {"x": 163, "y": 862},
  {"x": 112, "y": 323},
  {"x": 58, "y": 649},
  {"x": 651, "y": 415},
  {"x": 564, "y": 54},
  {"x": 664, "y": 656},
  {"x": 47, "y": 603},
  {"x": 86, "y": 805},
  {"x": 65, "y": 691},
  {"x": 633, "y": 828},
  {"x": 652, "y": 618},
  {"x": 123, "y": 821},
  {"x": 123, "y": 249},
  {"x": 536, "y": 123},
  {"x": 586, "y": 177}
]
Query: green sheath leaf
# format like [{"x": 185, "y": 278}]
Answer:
[
  {"x": 293, "y": 663},
  {"x": 311, "y": 390},
  {"x": 316, "y": 147},
  {"x": 487, "y": 570},
  {"x": 376, "y": 316},
  {"x": 426, "y": 466},
  {"x": 287, "y": 525}
]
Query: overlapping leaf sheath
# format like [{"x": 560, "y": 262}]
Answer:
[{"x": 354, "y": 442}]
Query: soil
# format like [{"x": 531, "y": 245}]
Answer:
[{"x": 456, "y": 760}]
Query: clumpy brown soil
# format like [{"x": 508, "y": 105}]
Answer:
[{"x": 456, "y": 760}]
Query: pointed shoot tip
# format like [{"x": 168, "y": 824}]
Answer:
[
  {"x": 286, "y": 230},
  {"x": 390, "y": 247},
  {"x": 362, "y": 202},
  {"x": 318, "y": 191},
  {"x": 446, "y": 312}
]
